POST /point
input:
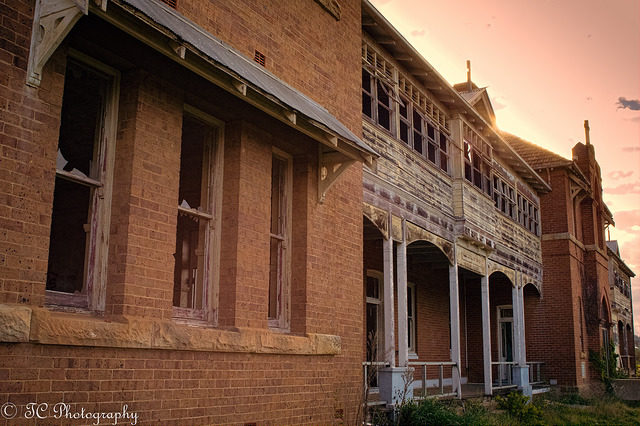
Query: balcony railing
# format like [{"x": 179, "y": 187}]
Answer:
[{"x": 440, "y": 390}]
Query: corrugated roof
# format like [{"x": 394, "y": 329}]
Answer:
[{"x": 246, "y": 69}]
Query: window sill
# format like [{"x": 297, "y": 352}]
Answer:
[{"x": 40, "y": 325}]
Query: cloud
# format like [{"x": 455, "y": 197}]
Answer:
[
  {"x": 619, "y": 174},
  {"x": 627, "y": 219},
  {"x": 417, "y": 33},
  {"x": 631, "y": 148},
  {"x": 625, "y": 188},
  {"x": 632, "y": 104},
  {"x": 498, "y": 103}
]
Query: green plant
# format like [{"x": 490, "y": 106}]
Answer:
[
  {"x": 573, "y": 399},
  {"x": 520, "y": 407},
  {"x": 427, "y": 412},
  {"x": 606, "y": 362}
]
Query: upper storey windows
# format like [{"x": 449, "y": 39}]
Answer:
[
  {"x": 477, "y": 161},
  {"x": 403, "y": 110}
]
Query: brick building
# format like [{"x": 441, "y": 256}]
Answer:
[
  {"x": 451, "y": 229},
  {"x": 180, "y": 225},
  {"x": 621, "y": 308},
  {"x": 576, "y": 303}
]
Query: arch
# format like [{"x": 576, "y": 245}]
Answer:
[
  {"x": 417, "y": 233},
  {"x": 605, "y": 313},
  {"x": 378, "y": 218},
  {"x": 501, "y": 276},
  {"x": 427, "y": 249},
  {"x": 532, "y": 289},
  {"x": 496, "y": 268}
]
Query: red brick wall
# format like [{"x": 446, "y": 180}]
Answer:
[
  {"x": 304, "y": 46},
  {"x": 29, "y": 122}
]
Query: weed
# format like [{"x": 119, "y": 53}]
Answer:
[{"x": 520, "y": 407}]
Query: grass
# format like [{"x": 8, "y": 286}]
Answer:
[{"x": 550, "y": 410}]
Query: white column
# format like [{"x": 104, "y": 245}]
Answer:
[
  {"x": 403, "y": 340},
  {"x": 454, "y": 315},
  {"x": 523, "y": 328},
  {"x": 517, "y": 341},
  {"x": 389, "y": 338},
  {"x": 486, "y": 334}
]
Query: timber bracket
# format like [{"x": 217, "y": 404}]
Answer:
[
  {"x": 331, "y": 165},
  {"x": 52, "y": 21}
]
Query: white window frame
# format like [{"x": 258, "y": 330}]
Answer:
[
  {"x": 380, "y": 317},
  {"x": 93, "y": 294},
  {"x": 213, "y": 165},
  {"x": 411, "y": 319}
]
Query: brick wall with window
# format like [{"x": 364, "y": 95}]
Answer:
[{"x": 180, "y": 336}]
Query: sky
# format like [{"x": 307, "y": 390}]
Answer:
[{"x": 549, "y": 65}]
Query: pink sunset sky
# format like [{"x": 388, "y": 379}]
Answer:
[{"x": 549, "y": 65}]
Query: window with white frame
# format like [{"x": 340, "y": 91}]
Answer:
[
  {"x": 528, "y": 215},
  {"x": 477, "y": 161},
  {"x": 78, "y": 243},
  {"x": 280, "y": 240},
  {"x": 504, "y": 197},
  {"x": 411, "y": 317},
  {"x": 197, "y": 229},
  {"x": 377, "y": 100}
]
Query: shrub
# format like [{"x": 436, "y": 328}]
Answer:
[
  {"x": 427, "y": 412},
  {"x": 520, "y": 407}
]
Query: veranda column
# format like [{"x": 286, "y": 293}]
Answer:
[
  {"x": 523, "y": 329},
  {"x": 389, "y": 337},
  {"x": 403, "y": 341},
  {"x": 454, "y": 316},
  {"x": 517, "y": 327},
  {"x": 486, "y": 333},
  {"x": 520, "y": 370}
]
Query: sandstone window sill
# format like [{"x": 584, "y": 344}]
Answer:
[{"x": 40, "y": 325}]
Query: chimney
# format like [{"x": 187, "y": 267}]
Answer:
[
  {"x": 469, "y": 75},
  {"x": 586, "y": 132}
]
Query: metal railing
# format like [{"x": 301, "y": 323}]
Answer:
[
  {"x": 535, "y": 375},
  {"x": 440, "y": 365},
  {"x": 504, "y": 376}
]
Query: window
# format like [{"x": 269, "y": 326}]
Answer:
[
  {"x": 280, "y": 240},
  {"x": 404, "y": 110},
  {"x": 194, "y": 274},
  {"x": 419, "y": 133},
  {"x": 377, "y": 100},
  {"x": 411, "y": 317},
  {"x": 528, "y": 215},
  {"x": 504, "y": 198},
  {"x": 477, "y": 161},
  {"x": 78, "y": 243}
]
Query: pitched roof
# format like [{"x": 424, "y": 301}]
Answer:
[{"x": 536, "y": 156}]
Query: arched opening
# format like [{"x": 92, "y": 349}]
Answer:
[
  {"x": 621, "y": 345},
  {"x": 535, "y": 334},
  {"x": 373, "y": 290},
  {"x": 631, "y": 353},
  {"x": 428, "y": 315},
  {"x": 502, "y": 328}
]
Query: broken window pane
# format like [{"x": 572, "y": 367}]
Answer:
[
  {"x": 78, "y": 178},
  {"x": 194, "y": 216},
  {"x": 276, "y": 258}
]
